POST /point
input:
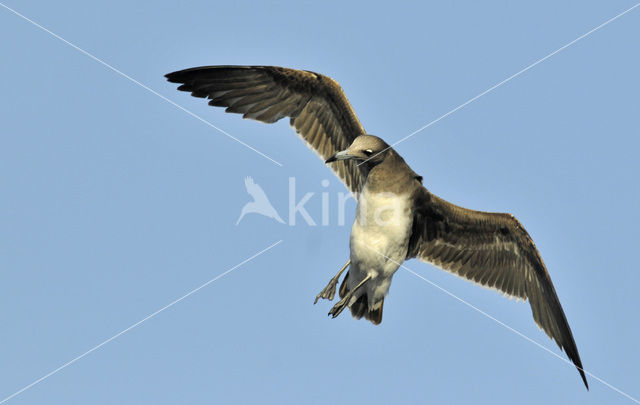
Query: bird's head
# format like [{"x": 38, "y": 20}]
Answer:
[{"x": 365, "y": 148}]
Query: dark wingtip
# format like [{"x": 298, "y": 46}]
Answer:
[
  {"x": 572, "y": 353},
  {"x": 173, "y": 77},
  {"x": 584, "y": 378}
]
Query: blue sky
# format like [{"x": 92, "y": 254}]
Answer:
[{"x": 115, "y": 202}]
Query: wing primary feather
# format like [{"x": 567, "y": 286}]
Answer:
[{"x": 493, "y": 250}]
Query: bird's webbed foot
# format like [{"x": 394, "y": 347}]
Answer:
[
  {"x": 342, "y": 304},
  {"x": 330, "y": 290}
]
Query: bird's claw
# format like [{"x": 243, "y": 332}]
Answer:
[{"x": 339, "y": 307}]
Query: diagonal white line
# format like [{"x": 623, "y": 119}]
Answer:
[
  {"x": 95, "y": 58},
  {"x": 505, "y": 325},
  {"x": 70, "y": 362},
  {"x": 513, "y": 76}
]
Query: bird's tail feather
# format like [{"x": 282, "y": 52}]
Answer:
[
  {"x": 360, "y": 308},
  {"x": 375, "y": 315}
]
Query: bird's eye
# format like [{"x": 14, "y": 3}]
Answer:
[{"x": 368, "y": 152}]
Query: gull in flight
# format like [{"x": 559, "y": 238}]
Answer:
[{"x": 397, "y": 218}]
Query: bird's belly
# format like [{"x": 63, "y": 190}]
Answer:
[{"x": 380, "y": 233}]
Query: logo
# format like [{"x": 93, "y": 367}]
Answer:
[
  {"x": 383, "y": 208},
  {"x": 260, "y": 204}
]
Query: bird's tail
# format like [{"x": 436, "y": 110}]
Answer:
[{"x": 360, "y": 308}]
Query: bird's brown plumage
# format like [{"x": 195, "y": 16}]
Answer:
[
  {"x": 318, "y": 108},
  {"x": 495, "y": 251}
]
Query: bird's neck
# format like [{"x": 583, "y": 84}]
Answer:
[{"x": 392, "y": 175}]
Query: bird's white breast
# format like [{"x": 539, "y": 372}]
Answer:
[{"x": 380, "y": 233}]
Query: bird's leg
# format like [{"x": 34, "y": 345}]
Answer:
[
  {"x": 342, "y": 304},
  {"x": 330, "y": 290}
]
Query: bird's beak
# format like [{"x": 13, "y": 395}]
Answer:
[{"x": 342, "y": 155}]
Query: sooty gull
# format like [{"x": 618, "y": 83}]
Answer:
[{"x": 396, "y": 218}]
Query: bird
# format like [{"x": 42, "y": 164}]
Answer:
[
  {"x": 397, "y": 217},
  {"x": 260, "y": 204}
]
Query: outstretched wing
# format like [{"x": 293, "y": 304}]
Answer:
[
  {"x": 493, "y": 250},
  {"x": 317, "y": 106}
]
